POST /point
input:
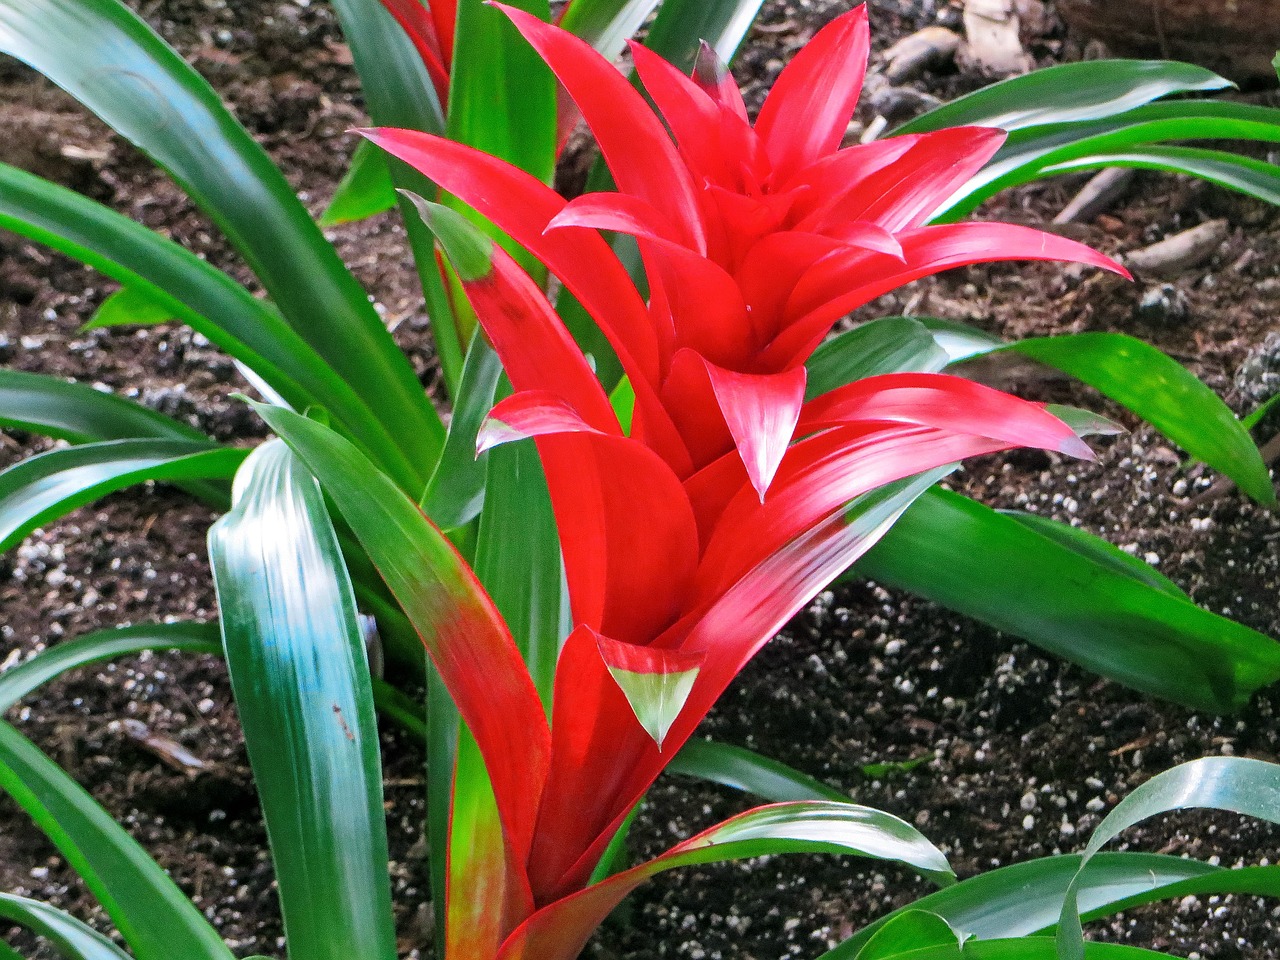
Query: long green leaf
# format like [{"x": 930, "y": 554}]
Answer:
[
  {"x": 296, "y": 657},
  {"x": 455, "y": 494},
  {"x": 908, "y": 931},
  {"x": 106, "y": 57},
  {"x": 73, "y": 939},
  {"x": 1255, "y": 178},
  {"x": 397, "y": 93},
  {"x": 1022, "y": 948},
  {"x": 1068, "y": 92},
  {"x": 559, "y": 931},
  {"x": 1026, "y": 898},
  {"x": 46, "y": 405},
  {"x": 887, "y": 345},
  {"x": 51, "y": 485},
  {"x": 126, "y": 307},
  {"x": 606, "y": 24},
  {"x": 1162, "y": 392},
  {"x": 968, "y": 557},
  {"x": 191, "y": 290},
  {"x": 1030, "y": 152},
  {"x": 1235, "y": 784},
  {"x": 17, "y": 682},
  {"x": 746, "y": 770},
  {"x": 145, "y": 905},
  {"x": 682, "y": 24}
]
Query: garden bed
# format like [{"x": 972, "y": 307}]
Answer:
[{"x": 996, "y": 752}]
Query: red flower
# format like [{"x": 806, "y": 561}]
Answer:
[{"x": 691, "y": 540}]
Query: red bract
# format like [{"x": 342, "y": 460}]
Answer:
[
  {"x": 691, "y": 540},
  {"x": 755, "y": 239}
]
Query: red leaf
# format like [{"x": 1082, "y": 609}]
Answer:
[
  {"x": 712, "y": 75},
  {"x": 640, "y": 155},
  {"x": 522, "y": 206},
  {"x": 614, "y": 211},
  {"x": 530, "y": 413},
  {"x": 906, "y": 193},
  {"x": 425, "y": 34},
  {"x": 946, "y": 403},
  {"x": 806, "y": 113},
  {"x": 844, "y": 282}
]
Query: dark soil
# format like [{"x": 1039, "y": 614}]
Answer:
[{"x": 1021, "y": 754}]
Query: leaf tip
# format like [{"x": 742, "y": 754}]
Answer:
[{"x": 464, "y": 245}]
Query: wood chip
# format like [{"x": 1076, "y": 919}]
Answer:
[
  {"x": 1096, "y": 196},
  {"x": 170, "y": 751},
  {"x": 1180, "y": 252},
  {"x": 912, "y": 55}
]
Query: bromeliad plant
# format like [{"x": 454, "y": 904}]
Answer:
[{"x": 699, "y": 504}]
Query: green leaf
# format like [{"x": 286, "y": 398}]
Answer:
[
  {"x": 1029, "y": 153},
  {"x": 746, "y": 770},
  {"x": 295, "y": 653},
  {"x": 51, "y": 485},
  {"x": 558, "y": 931},
  {"x": 1254, "y": 178},
  {"x": 1068, "y": 92},
  {"x": 202, "y": 297},
  {"x": 1254, "y": 418},
  {"x": 46, "y": 405},
  {"x": 1023, "y": 948},
  {"x": 455, "y": 494},
  {"x": 606, "y": 24},
  {"x": 1026, "y": 898},
  {"x": 145, "y": 905},
  {"x": 887, "y": 345},
  {"x": 73, "y": 939},
  {"x": 973, "y": 560},
  {"x": 129, "y": 305},
  {"x": 1235, "y": 784},
  {"x": 1096, "y": 550},
  {"x": 682, "y": 24},
  {"x": 105, "y": 56},
  {"x": 364, "y": 191},
  {"x": 17, "y": 682},
  {"x": 909, "y": 930},
  {"x": 1165, "y": 394}
]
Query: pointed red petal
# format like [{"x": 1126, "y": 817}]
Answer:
[
  {"x": 908, "y": 192},
  {"x": 867, "y": 236},
  {"x": 705, "y": 304},
  {"x": 688, "y": 111},
  {"x": 761, "y": 411},
  {"x": 836, "y": 179},
  {"x": 530, "y": 413},
  {"x": 522, "y": 206},
  {"x": 445, "y": 14},
  {"x": 946, "y": 403},
  {"x": 729, "y": 631},
  {"x": 614, "y": 211},
  {"x": 842, "y": 283},
  {"x": 819, "y": 476},
  {"x": 536, "y": 349},
  {"x": 806, "y": 113},
  {"x": 639, "y": 152}
]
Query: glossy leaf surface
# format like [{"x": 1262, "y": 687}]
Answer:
[
  {"x": 51, "y": 485},
  {"x": 1067, "y": 93},
  {"x": 558, "y": 931},
  {"x": 77, "y": 413},
  {"x": 746, "y": 770},
  {"x": 462, "y": 631},
  {"x": 73, "y": 939},
  {"x": 144, "y": 904},
  {"x": 128, "y": 306},
  {"x": 28, "y": 676},
  {"x": 1234, "y": 784},
  {"x": 887, "y": 345},
  {"x": 968, "y": 557},
  {"x": 194, "y": 292},
  {"x": 682, "y": 25},
  {"x": 1164, "y": 393},
  {"x": 296, "y": 656},
  {"x": 909, "y": 931},
  {"x": 1256, "y": 178},
  {"x": 105, "y": 56}
]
